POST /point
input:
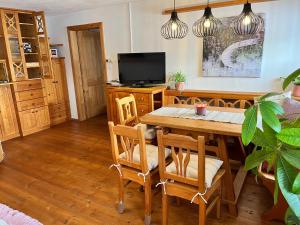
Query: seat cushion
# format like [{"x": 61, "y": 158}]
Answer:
[
  {"x": 152, "y": 155},
  {"x": 212, "y": 165},
  {"x": 149, "y": 131}
]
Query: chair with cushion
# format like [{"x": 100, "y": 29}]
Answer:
[
  {"x": 191, "y": 175},
  {"x": 135, "y": 161},
  {"x": 128, "y": 116}
]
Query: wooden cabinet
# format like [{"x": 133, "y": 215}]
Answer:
[
  {"x": 8, "y": 120},
  {"x": 32, "y": 106},
  {"x": 57, "y": 93},
  {"x": 147, "y": 99}
]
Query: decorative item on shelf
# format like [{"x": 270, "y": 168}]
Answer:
[
  {"x": 296, "y": 88},
  {"x": 54, "y": 52},
  {"x": 200, "y": 109},
  {"x": 27, "y": 47},
  {"x": 207, "y": 25},
  {"x": 179, "y": 79},
  {"x": 3, "y": 72},
  {"x": 247, "y": 23},
  {"x": 174, "y": 28},
  {"x": 276, "y": 140}
]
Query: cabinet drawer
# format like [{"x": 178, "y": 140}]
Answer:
[
  {"x": 53, "y": 109},
  {"x": 31, "y": 104},
  {"x": 28, "y": 85},
  {"x": 142, "y": 109},
  {"x": 28, "y": 95},
  {"x": 141, "y": 98},
  {"x": 58, "y": 115}
]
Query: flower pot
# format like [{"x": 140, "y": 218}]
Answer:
[
  {"x": 179, "y": 86},
  {"x": 296, "y": 90}
]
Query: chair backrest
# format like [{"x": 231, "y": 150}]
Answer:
[
  {"x": 128, "y": 137},
  {"x": 217, "y": 102},
  {"x": 181, "y": 149},
  {"x": 127, "y": 111}
]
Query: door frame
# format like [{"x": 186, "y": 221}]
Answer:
[{"x": 79, "y": 92}]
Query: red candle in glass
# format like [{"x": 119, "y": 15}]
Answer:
[{"x": 200, "y": 109}]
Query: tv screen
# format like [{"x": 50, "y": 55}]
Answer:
[{"x": 142, "y": 68}]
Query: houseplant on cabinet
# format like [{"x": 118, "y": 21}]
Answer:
[
  {"x": 180, "y": 79},
  {"x": 277, "y": 141}
]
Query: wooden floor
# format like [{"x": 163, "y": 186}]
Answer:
[{"x": 61, "y": 176}]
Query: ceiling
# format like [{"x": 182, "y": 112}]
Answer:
[{"x": 55, "y": 7}]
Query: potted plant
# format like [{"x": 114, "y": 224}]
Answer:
[
  {"x": 296, "y": 89},
  {"x": 277, "y": 141},
  {"x": 179, "y": 79}
]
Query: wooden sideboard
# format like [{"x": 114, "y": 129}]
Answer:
[{"x": 147, "y": 99}]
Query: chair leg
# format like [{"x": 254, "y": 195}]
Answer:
[
  {"x": 219, "y": 208},
  {"x": 121, "y": 206},
  {"x": 165, "y": 206},
  {"x": 202, "y": 213},
  {"x": 148, "y": 202}
]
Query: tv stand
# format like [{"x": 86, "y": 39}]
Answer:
[{"x": 147, "y": 99}]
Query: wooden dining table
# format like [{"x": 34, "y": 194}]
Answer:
[{"x": 232, "y": 184}]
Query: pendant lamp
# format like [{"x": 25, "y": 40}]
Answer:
[
  {"x": 174, "y": 28},
  {"x": 207, "y": 25},
  {"x": 247, "y": 23}
]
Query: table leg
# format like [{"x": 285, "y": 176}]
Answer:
[{"x": 228, "y": 186}]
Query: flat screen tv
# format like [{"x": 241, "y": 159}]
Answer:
[{"x": 142, "y": 68}]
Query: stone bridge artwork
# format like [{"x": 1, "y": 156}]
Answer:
[{"x": 229, "y": 55}]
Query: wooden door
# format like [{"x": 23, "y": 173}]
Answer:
[
  {"x": 8, "y": 121},
  {"x": 42, "y": 116},
  {"x": 59, "y": 80},
  {"x": 89, "y": 47},
  {"x": 28, "y": 121},
  {"x": 44, "y": 49},
  {"x": 14, "y": 45},
  {"x": 50, "y": 91}
]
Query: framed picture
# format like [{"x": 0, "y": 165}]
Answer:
[
  {"x": 229, "y": 55},
  {"x": 54, "y": 52}
]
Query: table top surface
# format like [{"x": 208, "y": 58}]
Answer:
[{"x": 205, "y": 126}]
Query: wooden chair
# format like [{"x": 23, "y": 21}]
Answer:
[
  {"x": 184, "y": 184},
  {"x": 138, "y": 162},
  {"x": 1, "y": 153},
  {"x": 128, "y": 116}
]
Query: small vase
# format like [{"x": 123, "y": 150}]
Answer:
[
  {"x": 296, "y": 90},
  {"x": 179, "y": 86}
]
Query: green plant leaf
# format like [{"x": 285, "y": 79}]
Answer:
[
  {"x": 286, "y": 175},
  {"x": 290, "y": 136},
  {"x": 292, "y": 156},
  {"x": 269, "y": 110},
  {"x": 249, "y": 125},
  {"x": 268, "y": 95},
  {"x": 257, "y": 157},
  {"x": 269, "y": 134},
  {"x": 290, "y": 78},
  {"x": 296, "y": 185},
  {"x": 276, "y": 193},
  {"x": 291, "y": 218}
]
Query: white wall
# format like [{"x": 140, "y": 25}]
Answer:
[{"x": 280, "y": 55}]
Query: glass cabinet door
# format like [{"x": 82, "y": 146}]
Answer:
[
  {"x": 16, "y": 57},
  {"x": 45, "y": 55}
]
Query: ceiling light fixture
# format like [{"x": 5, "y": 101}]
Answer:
[
  {"x": 207, "y": 25},
  {"x": 247, "y": 23},
  {"x": 174, "y": 28}
]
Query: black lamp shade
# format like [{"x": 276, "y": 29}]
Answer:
[
  {"x": 174, "y": 28},
  {"x": 207, "y": 25},
  {"x": 247, "y": 23}
]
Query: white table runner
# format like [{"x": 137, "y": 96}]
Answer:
[{"x": 189, "y": 113}]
